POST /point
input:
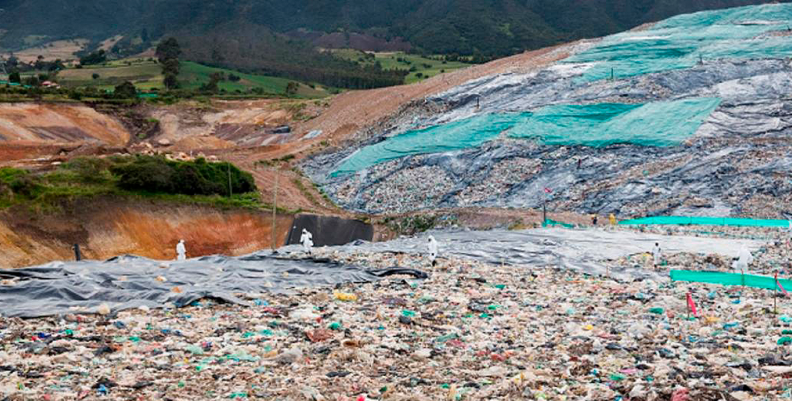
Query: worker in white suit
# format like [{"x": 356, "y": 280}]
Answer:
[
  {"x": 657, "y": 254},
  {"x": 433, "y": 250},
  {"x": 744, "y": 260},
  {"x": 306, "y": 239},
  {"x": 181, "y": 251}
]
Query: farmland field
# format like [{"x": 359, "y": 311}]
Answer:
[
  {"x": 420, "y": 67},
  {"x": 146, "y": 74}
]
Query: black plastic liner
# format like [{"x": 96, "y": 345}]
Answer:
[
  {"x": 329, "y": 231},
  {"x": 126, "y": 282}
]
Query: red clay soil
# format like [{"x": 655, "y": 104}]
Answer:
[{"x": 109, "y": 228}]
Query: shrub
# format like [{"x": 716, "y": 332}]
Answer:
[
  {"x": 156, "y": 174},
  {"x": 89, "y": 169},
  {"x": 19, "y": 182}
]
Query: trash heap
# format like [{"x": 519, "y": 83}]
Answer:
[
  {"x": 471, "y": 331},
  {"x": 689, "y": 116}
]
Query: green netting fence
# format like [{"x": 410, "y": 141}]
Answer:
[
  {"x": 723, "y": 278},
  {"x": 553, "y": 223},
  {"x": 707, "y": 221}
]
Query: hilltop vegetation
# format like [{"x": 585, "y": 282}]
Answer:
[
  {"x": 219, "y": 184},
  {"x": 288, "y": 38},
  {"x": 467, "y": 27},
  {"x": 418, "y": 67}
]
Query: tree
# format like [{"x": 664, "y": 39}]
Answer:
[
  {"x": 170, "y": 81},
  {"x": 97, "y": 57},
  {"x": 168, "y": 53},
  {"x": 14, "y": 77},
  {"x": 171, "y": 66},
  {"x": 125, "y": 90},
  {"x": 95, "y": 76},
  {"x": 212, "y": 86},
  {"x": 292, "y": 87},
  {"x": 168, "y": 49},
  {"x": 32, "y": 81}
]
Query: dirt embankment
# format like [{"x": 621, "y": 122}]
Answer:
[
  {"x": 355, "y": 110},
  {"x": 108, "y": 228},
  {"x": 58, "y": 123}
]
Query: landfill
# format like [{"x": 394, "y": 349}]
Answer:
[
  {"x": 688, "y": 117},
  {"x": 473, "y": 328}
]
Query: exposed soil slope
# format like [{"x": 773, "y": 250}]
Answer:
[{"x": 106, "y": 228}]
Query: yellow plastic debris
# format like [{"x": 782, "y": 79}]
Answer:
[{"x": 344, "y": 296}]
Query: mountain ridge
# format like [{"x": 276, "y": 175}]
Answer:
[{"x": 495, "y": 28}]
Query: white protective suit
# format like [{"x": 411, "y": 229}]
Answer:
[
  {"x": 657, "y": 253},
  {"x": 306, "y": 239},
  {"x": 181, "y": 251},
  {"x": 432, "y": 249},
  {"x": 744, "y": 260}
]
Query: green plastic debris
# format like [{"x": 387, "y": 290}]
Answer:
[
  {"x": 784, "y": 340},
  {"x": 657, "y": 311},
  {"x": 266, "y": 332},
  {"x": 335, "y": 326},
  {"x": 248, "y": 334},
  {"x": 786, "y": 332},
  {"x": 199, "y": 368},
  {"x": 617, "y": 377},
  {"x": 445, "y": 385},
  {"x": 408, "y": 313},
  {"x": 426, "y": 299},
  {"x": 194, "y": 349},
  {"x": 238, "y": 395},
  {"x": 484, "y": 316},
  {"x": 500, "y": 286},
  {"x": 134, "y": 339},
  {"x": 181, "y": 384},
  {"x": 447, "y": 337}
]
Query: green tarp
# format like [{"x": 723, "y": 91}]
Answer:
[
  {"x": 682, "y": 41},
  {"x": 707, "y": 221},
  {"x": 723, "y": 278},
  {"x": 651, "y": 124}
]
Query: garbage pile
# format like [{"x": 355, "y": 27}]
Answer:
[
  {"x": 471, "y": 331},
  {"x": 677, "y": 133}
]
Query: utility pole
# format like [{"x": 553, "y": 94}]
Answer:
[
  {"x": 274, "y": 209},
  {"x": 229, "y": 179}
]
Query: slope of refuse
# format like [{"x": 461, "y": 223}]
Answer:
[{"x": 691, "y": 119}]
